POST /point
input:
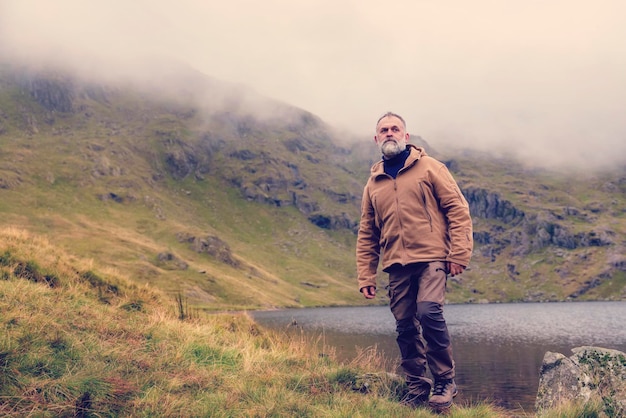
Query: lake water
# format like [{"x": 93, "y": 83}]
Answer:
[{"x": 498, "y": 348}]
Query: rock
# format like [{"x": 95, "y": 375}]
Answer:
[
  {"x": 591, "y": 373},
  {"x": 170, "y": 261},
  {"x": 53, "y": 92},
  {"x": 211, "y": 245},
  {"x": 488, "y": 205}
]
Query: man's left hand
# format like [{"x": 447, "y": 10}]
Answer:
[{"x": 454, "y": 268}]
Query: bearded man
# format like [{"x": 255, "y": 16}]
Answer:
[{"x": 415, "y": 218}]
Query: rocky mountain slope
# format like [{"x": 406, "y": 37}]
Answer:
[{"x": 237, "y": 201}]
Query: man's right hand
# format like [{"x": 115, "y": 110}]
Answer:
[{"x": 369, "y": 292}]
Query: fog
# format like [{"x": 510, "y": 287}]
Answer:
[{"x": 542, "y": 79}]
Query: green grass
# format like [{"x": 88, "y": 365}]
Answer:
[
  {"x": 67, "y": 350},
  {"x": 100, "y": 183},
  {"x": 98, "y": 344},
  {"x": 147, "y": 221}
]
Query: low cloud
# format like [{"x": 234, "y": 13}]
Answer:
[{"x": 542, "y": 80}]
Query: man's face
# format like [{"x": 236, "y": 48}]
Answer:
[{"x": 391, "y": 136}]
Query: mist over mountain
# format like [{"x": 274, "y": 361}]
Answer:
[
  {"x": 236, "y": 200},
  {"x": 539, "y": 82}
]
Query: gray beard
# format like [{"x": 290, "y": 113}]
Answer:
[{"x": 391, "y": 148}]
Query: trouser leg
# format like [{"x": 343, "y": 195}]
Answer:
[
  {"x": 430, "y": 299},
  {"x": 413, "y": 354},
  {"x": 435, "y": 331},
  {"x": 403, "y": 296}
]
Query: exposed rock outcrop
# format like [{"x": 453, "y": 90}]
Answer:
[
  {"x": 169, "y": 261},
  {"x": 548, "y": 232},
  {"x": 211, "y": 245},
  {"x": 592, "y": 373},
  {"x": 489, "y": 205},
  {"x": 334, "y": 222},
  {"x": 53, "y": 93}
]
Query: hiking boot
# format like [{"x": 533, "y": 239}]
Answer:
[
  {"x": 443, "y": 393},
  {"x": 415, "y": 400}
]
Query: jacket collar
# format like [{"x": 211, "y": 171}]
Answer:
[{"x": 415, "y": 154}]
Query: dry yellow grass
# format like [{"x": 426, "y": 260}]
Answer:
[{"x": 93, "y": 343}]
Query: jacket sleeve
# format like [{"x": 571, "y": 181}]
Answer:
[
  {"x": 456, "y": 209},
  {"x": 368, "y": 244}
]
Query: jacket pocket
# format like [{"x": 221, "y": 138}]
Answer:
[
  {"x": 425, "y": 206},
  {"x": 377, "y": 218}
]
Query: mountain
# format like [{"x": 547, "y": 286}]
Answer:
[{"x": 236, "y": 201}]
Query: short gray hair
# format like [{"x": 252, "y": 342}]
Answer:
[{"x": 391, "y": 114}]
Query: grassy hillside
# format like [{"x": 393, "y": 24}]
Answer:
[
  {"x": 107, "y": 180},
  {"x": 194, "y": 193},
  {"x": 81, "y": 339},
  {"x": 566, "y": 242}
]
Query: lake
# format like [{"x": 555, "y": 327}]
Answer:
[{"x": 498, "y": 348}]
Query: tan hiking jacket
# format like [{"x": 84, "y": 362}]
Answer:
[{"x": 419, "y": 216}]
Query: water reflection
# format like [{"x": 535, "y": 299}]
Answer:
[{"x": 498, "y": 348}]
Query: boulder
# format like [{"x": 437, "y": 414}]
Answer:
[{"x": 591, "y": 373}]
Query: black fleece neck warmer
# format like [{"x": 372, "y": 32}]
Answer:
[{"x": 394, "y": 164}]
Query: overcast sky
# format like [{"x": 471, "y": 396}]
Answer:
[{"x": 546, "y": 78}]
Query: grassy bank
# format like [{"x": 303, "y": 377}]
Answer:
[{"x": 80, "y": 339}]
